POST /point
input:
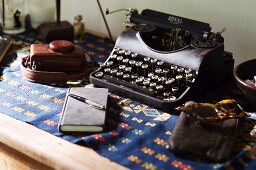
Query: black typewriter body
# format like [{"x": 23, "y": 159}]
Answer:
[{"x": 163, "y": 66}]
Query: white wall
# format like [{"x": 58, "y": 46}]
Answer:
[{"x": 238, "y": 16}]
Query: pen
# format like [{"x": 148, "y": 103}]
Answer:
[{"x": 87, "y": 101}]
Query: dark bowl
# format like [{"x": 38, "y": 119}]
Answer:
[{"x": 246, "y": 71}]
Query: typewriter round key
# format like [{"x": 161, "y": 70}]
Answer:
[
  {"x": 173, "y": 68},
  {"x": 169, "y": 81},
  {"x": 119, "y": 59},
  {"x": 122, "y": 67},
  {"x": 162, "y": 79},
  {"x": 147, "y": 79},
  {"x": 139, "y": 81},
  {"x": 119, "y": 73},
  {"x": 147, "y": 59},
  {"x": 144, "y": 67},
  {"x": 138, "y": 65},
  {"x": 113, "y": 56},
  {"x": 180, "y": 69},
  {"x": 146, "y": 83},
  {"x": 116, "y": 49},
  {"x": 99, "y": 74},
  {"x": 174, "y": 89},
  {"x": 107, "y": 70},
  {"x": 127, "y": 53},
  {"x": 159, "y": 88},
  {"x": 128, "y": 69},
  {"x": 152, "y": 85},
  {"x": 179, "y": 77},
  {"x": 126, "y": 76},
  {"x": 189, "y": 76},
  {"x": 121, "y": 52},
  {"x": 134, "y": 55},
  {"x": 171, "y": 98},
  {"x": 158, "y": 70},
  {"x": 165, "y": 71},
  {"x": 134, "y": 76},
  {"x": 113, "y": 72},
  {"x": 166, "y": 94},
  {"x": 125, "y": 61},
  {"x": 187, "y": 70},
  {"x": 160, "y": 63},
  {"x": 150, "y": 74},
  {"x": 109, "y": 63},
  {"x": 154, "y": 78},
  {"x": 132, "y": 62}
]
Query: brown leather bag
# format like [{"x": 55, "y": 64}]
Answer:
[{"x": 57, "y": 62}]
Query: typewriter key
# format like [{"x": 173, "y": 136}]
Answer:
[
  {"x": 158, "y": 71},
  {"x": 150, "y": 74},
  {"x": 121, "y": 52},
  {"x": 147, "y": 79},
  {"x": 132, "y": 62},
  {"x": 180, "y": 69},
  {"x": 99, "y": 74},
  {"x": 122, "y": 67},
  {"x": 139, "y": 81},
  {"x": 119, "y": 73},
  {"x": 154, "y": 78},
  {"x": 125, "y": 61},
  {"x": 113, "y": 72},
  {"x": 162, "y": 79},
  {"x": 174, "y": 89},
  {"x": 113, "y": 56},
  {"x": 179, "y": 77},
  {"x": 166, "y": 94},
  {"x": 187, "y": 70},
  {"x": 116, "y": 49},
  {"x": 147, "y": 59},
  {"x": 152, "y": 85},
  {"x": 144, "y": 67},
  {"x": 173, "y": 68},
  {"x": 109, "y": 63},
  {"x": 160, "y": 63},
  {"x": 126, "y": 76},
  {"x": 159, "y": 88},
  {"x": 107, "y": 70},
  {"x": 138, "y": 65},
  {"x": 128, "y": 69},
  {"x": 153, "y": 62},
  {"x": 127, "y": 53},
  {"x": 146, "y": 83},
  {"x": 171, "y": 98},
  {"x": 169, "y": 81},
  {"x": 165, "y": 71},
  {"x": 134, "y": 76},
  {"x": 189, "y": 76},
  {"x": 134, "y": 55},
  {"x": 119, "y": 58}
]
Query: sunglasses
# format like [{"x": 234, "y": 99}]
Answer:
[{"x": 207, "y": 112}]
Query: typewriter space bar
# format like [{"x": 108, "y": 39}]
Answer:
[{"x": 129, "y": 85}]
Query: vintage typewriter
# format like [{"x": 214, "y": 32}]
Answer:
[{"x": 163, "y": 60}]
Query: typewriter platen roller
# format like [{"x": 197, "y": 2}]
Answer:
[{"x": 163, "y": 64}]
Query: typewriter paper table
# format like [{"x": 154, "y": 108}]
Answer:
[{"x": 136, "y": 135}]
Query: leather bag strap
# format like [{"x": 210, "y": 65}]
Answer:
[{"x": 47, "y": 77}]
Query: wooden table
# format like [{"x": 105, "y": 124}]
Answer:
[{"x": 23, "y": 146}]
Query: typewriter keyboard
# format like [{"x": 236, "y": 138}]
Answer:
[{"x": 146, "y": 75}]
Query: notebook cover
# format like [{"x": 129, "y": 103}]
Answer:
[{"x": 76, "y": 113}]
